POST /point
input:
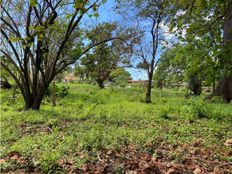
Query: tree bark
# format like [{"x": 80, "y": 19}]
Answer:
[
  {"x": 37, "y": 101},
  {"x": 148, "y": 92},
  {"x": 33, "y": 100},
  {"x": 100, "y": 83},
  {"x": 195, "y": 85},
  {"x": 53, "y": 93},
  {"x": 4, "y": 84}
]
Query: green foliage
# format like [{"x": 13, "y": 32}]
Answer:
[
  {"x": 102, "y": 60},
  {"x": 205, "y": 32},
  {"x": 170, "y": 71},
  {"x": 33, "y": 3},
  {"x": 164, "y": 113},
  {"x": 120, "y": 77},
  {"x": 177, "y": 65},
  {"x": 60, "y": 91},
  {"x": 105, "y": 57},
  {"x": 201, "y": 109}
]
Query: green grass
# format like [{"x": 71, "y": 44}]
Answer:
[{"x": 89, "y": 120}]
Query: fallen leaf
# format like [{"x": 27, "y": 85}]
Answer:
[
  {"x": 21, "y": 160},
  {"x": 85, "y": 168},
  {"x": 170, "y": 171},
  {"x": 190, "y": 164},
  {"x": 131, "y": 172},
  {"x": 14, "y": 157},
  {"x": 2, "y": 161},
  {"x": 60, "y": 162},
  {"x": 197, "y": 171},
  {"x": 176, "y": 166},
  {"x": 20, "y": 171},
  {"x": 69, "y": 162},
  {"x": 144, "y": 164},
  {"x": 218, "y": 170},
  {"x": 228, "y": 142}
]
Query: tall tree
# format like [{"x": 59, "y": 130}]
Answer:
[
  {"x": 214, "y": 18},
  {"x": 169, "y": 72},
  {"x": 195, "y": 68},
  {"x": 38, "y": 38},
  {"x": 150, "y": 18},
  {"x": 108, "y": 56}
]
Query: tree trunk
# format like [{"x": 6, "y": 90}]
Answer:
[
  {"x": 100, "y": 83},
  {"x": 214, "y": 84},
  {"x": 28, "y": 101},
  {"x": 195, "y": 86},
  {"x": 37, "y": 101},
  {"x": 33, "y": 101},
  {"x": 4, "y": 84},
  {"x": 14, "y": 91},
  {"x": 224, "y": 87},
  {"x": 148, "y": 92},
  {"x": 53, "y": 93}
]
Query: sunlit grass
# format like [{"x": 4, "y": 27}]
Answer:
[{"x": 88, "y": 120}]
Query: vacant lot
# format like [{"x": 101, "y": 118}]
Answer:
[{"x": 113, "y": 131}]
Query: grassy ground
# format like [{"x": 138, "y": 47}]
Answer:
[{"x": 113, "y": 131}]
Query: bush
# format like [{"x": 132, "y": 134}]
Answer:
[
  {"x": 60, "y": 91},
  {"x": 164, "y": 112},
  {"x": 200, "y": 109}
]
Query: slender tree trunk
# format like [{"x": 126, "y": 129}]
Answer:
[
  {"x": 100, "y": 83},
  {"x": 53, "y": 93},
  {"x": 5, "y": 83},
  {"x": 15, "y": 89},
  {"x": 214, "y": 83},
  {"x": 148, "y": 92}
]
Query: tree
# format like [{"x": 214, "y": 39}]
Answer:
[
  {"x": 120, "y": 76},
  {"x": 38, "y": 38},
  {"x": 81, "y": 72},
  {"x": 106, "y": 57},
  {"x": 179, "y": 66},
  {"x": 169, "y": 73},
  {"x": 99, "y": 64},
  {"x": 212, "y": 18},
  {"x": 149, "y": 17}
]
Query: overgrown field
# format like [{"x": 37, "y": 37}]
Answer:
[{"x": 113, "y": 131}]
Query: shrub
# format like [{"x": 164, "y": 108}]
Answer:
[
  {"x": 165, "y": 112},
  {"x": 199, "y": 108},
  {"x": 60, "y": 91}
]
